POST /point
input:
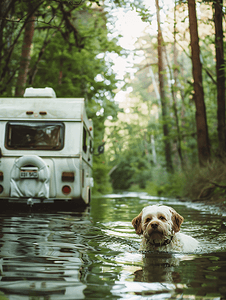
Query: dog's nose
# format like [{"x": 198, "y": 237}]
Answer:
[{"x": 154, "y": 225}]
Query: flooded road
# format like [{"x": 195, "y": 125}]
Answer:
[{"x": 94, "y": 254}]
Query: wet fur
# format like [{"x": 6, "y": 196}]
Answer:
[{"x": 159, "y": 227}]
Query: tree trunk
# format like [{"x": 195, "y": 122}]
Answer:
[
  {"x": 220, "y": 75},
  {"x": 174, "y": 90},
  {"x": 201, "y": 122},
  {"x": 168, "y": 154},
  {"x": 25, "y": 57}
]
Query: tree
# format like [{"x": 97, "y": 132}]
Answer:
[
  {"x": 174, "y": 89},
  {"x": 168, "y": 155},
  {"x": 201, "y": 121},
  {"x": 25, "y": 57},
  {"x": 220, "y": 65}
]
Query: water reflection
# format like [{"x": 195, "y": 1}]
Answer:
[
  {"x": 42, "y": 254},
  {"x": 93, "y": 254}
]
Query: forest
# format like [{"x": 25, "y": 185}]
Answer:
[{"x": 166, "y": 135}]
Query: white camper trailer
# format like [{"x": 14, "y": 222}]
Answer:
[{"x": 46, "y": 149}]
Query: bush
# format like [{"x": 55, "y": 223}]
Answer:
[
  {"x": 207, "y": 182},
  {"x": 131, "y": 170},
  {"x": 102, "y": 183},
  {"x": 161, "y": 183}
]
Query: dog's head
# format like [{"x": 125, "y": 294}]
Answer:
[{"x": 157, "y": 223}]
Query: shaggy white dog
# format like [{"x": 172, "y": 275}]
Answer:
[{"x": 160, "y": 226}]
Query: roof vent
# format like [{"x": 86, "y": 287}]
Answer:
[{"x": 39, "y": 93}]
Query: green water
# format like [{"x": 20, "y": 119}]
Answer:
[{"x": 94, "y": 254}]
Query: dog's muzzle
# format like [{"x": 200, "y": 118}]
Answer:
[
  {"x": 154, "y": 228},
  {"x": 154, "y": 231}
]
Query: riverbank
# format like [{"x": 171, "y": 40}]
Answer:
[{"x": 206, "y": 185}]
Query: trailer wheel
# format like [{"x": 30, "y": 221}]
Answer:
[{"x": 37, "y": 187}]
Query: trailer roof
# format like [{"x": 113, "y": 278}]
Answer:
[{"x": 42, "y": 108}]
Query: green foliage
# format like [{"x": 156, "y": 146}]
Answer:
[
  {"x": 121, "y": 177},
  {"x": 100, "y": 172},
  {"x": 131, "y": 170},
  {"x": 161, "y": 183},
  {"x": 128, "y": 157}
]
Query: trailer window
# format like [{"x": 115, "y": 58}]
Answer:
[{"x": 34, "y": 135}]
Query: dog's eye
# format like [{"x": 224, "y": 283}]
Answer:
[
  {"x": 162, "y": 218},
  {"x": 147, "y": 220}
]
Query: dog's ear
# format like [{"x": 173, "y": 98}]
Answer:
[
  {"x": 137, "y": 224},
  {"x": 177, "y": 220}
]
